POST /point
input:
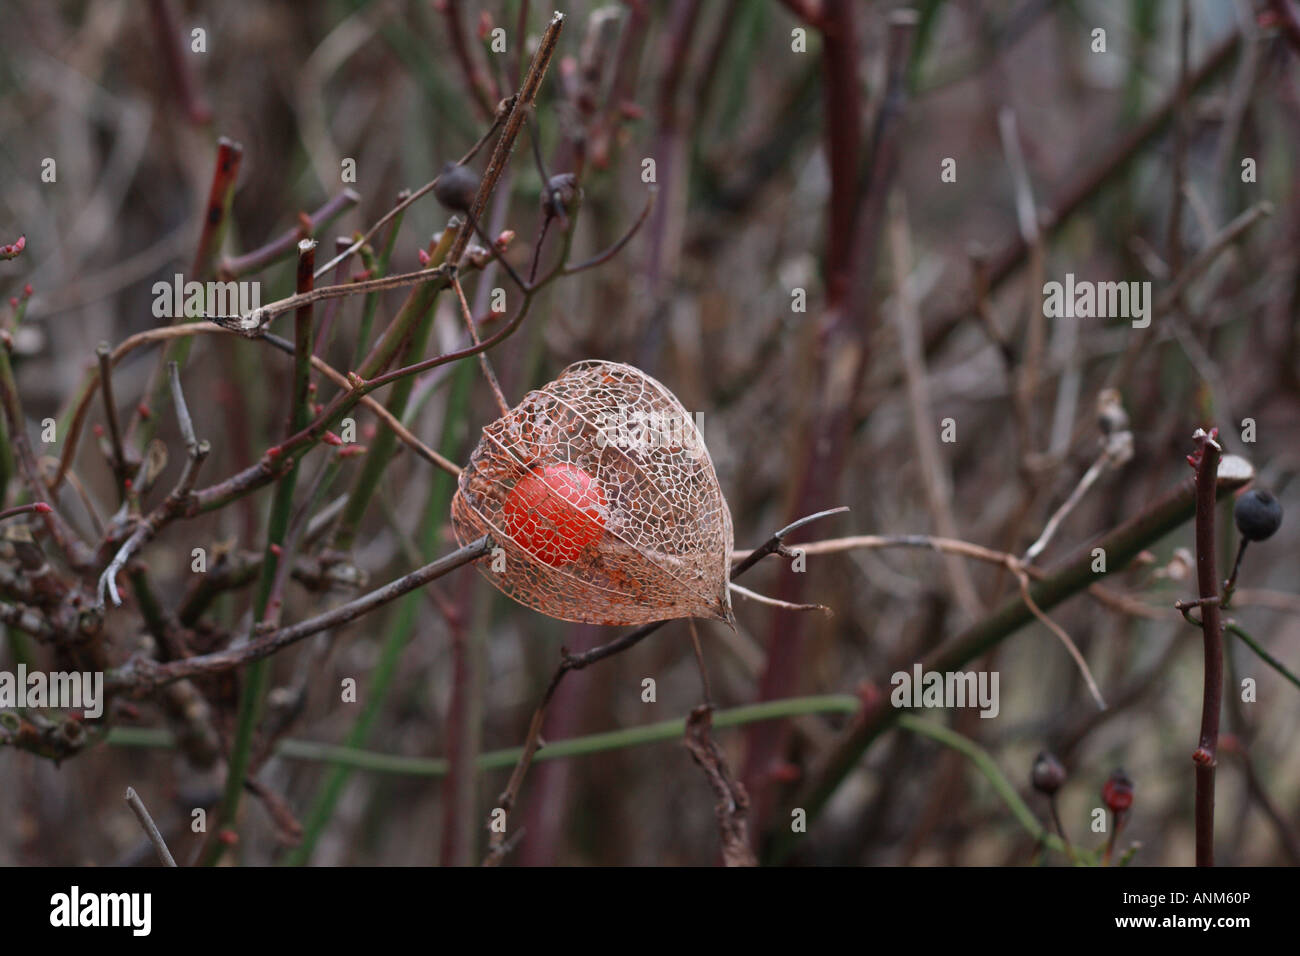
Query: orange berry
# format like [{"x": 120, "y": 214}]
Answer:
[{"x": 554, "y": 512}]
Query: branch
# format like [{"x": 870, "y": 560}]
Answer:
[
  {"x": 1207, "y": 579},
  {"x": 150, "y": 828},
  {"x": 141, "y": 676},
  {"x": 172, "y": 506}
]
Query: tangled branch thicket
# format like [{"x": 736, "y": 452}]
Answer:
[{"x": 829, "y": 230}]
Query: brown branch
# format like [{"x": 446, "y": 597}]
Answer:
[
  {"x": 140, "y": 676},
  {"x": 121, "y": 470},
  {"x": 732, "y": 802}
]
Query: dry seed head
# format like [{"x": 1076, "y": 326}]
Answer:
[{"x": 600, "y": 491}]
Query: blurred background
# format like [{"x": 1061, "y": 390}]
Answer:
[{"x": 817, "y": 280}]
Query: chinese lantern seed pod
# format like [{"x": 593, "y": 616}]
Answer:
[{"x": 603, "y": 501}]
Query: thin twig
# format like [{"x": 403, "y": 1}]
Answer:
[
  {"x": 483, "y": 362},
  {"x": 120, "y": 467},
  {"x": 150, "y": 828}
]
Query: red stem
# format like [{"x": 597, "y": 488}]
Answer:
[
  {"x": 1207, "y": 579},
  {"x": 170, "y": 40}
]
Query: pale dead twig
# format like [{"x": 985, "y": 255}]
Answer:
[
  {"x": 1021, "y": 569},
  {"x": 150, "y": 828},
  {"x": 1117, "y": 448},
  {"x": 907, "y": 323}
]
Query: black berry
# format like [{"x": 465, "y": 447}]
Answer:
[
  {"x": 1258, "y": 514},
  {"x": 457, "y": 187}
]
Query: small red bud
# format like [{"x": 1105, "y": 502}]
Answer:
[
  {"x": 41, "y": 508},
  {"x": 228, "y": 837},
  {"x": 425, "y": 258},
  {"x": 276, "y": 549},
  {"x": 143, "y": 411},
  {"x": 332, "y": 439},
  {"x": 785, "y": 772}
]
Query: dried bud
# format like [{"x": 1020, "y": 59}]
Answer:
[
  {"x": 1180, "y": 565},
  {"x": 1048, "y": 775},
  {"x": 457, "y": 186},
  {"x": 1117, "y": 792},
  {"x": 562, "y": 193},
  {"x": 1258, "y": 515},
  {"x": 1111, "y": 416}
]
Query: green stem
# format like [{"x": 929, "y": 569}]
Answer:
[
  {"x": 1234, "y": 628},
  {"x": 661, "y": 732},
  {"x": 986, "y": 765},
  {"x": 401, "y": 626},
  {"x": 258, "y": 675}
]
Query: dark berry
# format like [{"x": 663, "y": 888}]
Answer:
[
  {"x": 1258, "y": 515},
  {"x": 561, "y": 193},
  {"x": 457, "y": 187},
  {"x": 1048, "y": 775}
]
